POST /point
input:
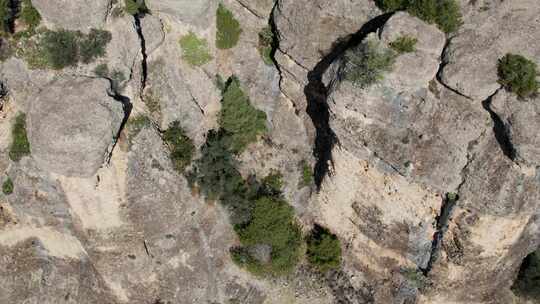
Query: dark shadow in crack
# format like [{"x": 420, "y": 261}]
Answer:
[
  {"x": 316, "y": 94},
  {"x": 501, "y": 130}
]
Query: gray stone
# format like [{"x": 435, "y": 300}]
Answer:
[{"x": 73, "y": 14}]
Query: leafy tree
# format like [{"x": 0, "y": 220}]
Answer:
[
  {"x": 30, "y": 15},
  {"x": 518, "y": 74},
  {"x": 59, "y": 48},
  {"x": 20, "y": 146},
  {"x": 527, "y": 283},
  {"x": 228, "y": 28},
  {"x": 404, "y": 44},
  {"x": 7, "y": 186},
  {"x": 241, "y": 122},
  {"x": 194, "y": 50},
  {"x": 135, "y": 7},
  {"x": 93, "y": 45},
  {"x": 366, "y": 64},
  {"x": 180, "y": 145},
  {"x": 323, "y": 249}
]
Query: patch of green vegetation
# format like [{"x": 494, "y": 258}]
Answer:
[
  {"x": 241, "y": 122},
  {"x": 272, "y": 224},
  {"x": 228, "y": 28},
  {"x": 307, "y": 174},
  {"x": 136, "y": 124},
  {"x": 445, "y": 13},
  {"x": 415, "y": 277},
  {"x": 135, "y": 7},
  {"x": 367, "y": 63},
  {"x": 220, "y": 83},
  {"x": 59, "y": 48},
  {"x": 323, "y": 249},
  {"x": 527, "y": 284},
  {"x": 404, "y": 44},
  {"x": 6, "y": 16},
  {"x": 194, "y": 50},
  {"x": 7, "y": 186},
  {"x": 180, "y": 145},
  {"x": 266, "y": 41},
  {"x": 518, "y": 74},
  {"x": 20, "y": 146},
  {"x": 29, "y": 15},
  {"x": 273, "y": 182},
  {"x": 92, "y": 46}
]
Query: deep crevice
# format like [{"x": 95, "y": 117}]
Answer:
[
  {"x": 127, "y": 106},
  {"x": 144, "y": 64},
  {"x": 443, "y": 64},
  {"x": 501, "y": 130},
  {"x": 317, "y": 93}
]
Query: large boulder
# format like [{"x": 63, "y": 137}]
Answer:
[
  {"x": 73, "y": 14},
  {"x": 72, "y": 125}
]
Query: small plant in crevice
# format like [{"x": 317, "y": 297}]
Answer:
[
  {"x": 415, "y": 277},
  {"x": 265, "y": 47},
  {"x": 195, "y": 50},
  {"x": 20, "y": 146},
  {"x": 518, "y": 75},
  {"x": 180, "y": 145},
  {"x": 273, "y": 182},
  {"x": 152, "y": 101},
  {"x": 323, "y": 249},
  {"x": 527, "y": 283},
  {"x": 228, "y": 28},
  {"x": 135, "y": 7},
  {"x": 242, "y": 123},
  {"x": 307, "y": 176},
  {"x": 404, "y": 44},
  {"x": 7, "y": 186},
  {"x": 366, "y": 64},
  {"x": 29, "y": 15}
]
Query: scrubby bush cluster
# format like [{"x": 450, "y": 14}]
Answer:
[
  {"x": 404, "y": 44},
  {"x": 21, "y": 10},
  {"x": 63, "y": 48},
  {"x": 445, "y": 13},
  {"x": 180, "y": 145},
  {"x": 29, "y": 15},
  {"x": 20, "y": 146},
  {"x": 7, "y": 186},
  {"x": 527, "y": 283},
  {"x": 323, "y": 249},
  {"x": 367, "y": 63},
  {"x": 135, "y": 7},
  {"x": 518, "y": 74},
  {"x": 228, "y": 28},
  {"x": 266, "y": 45},
  {"x": 307, "y": 174},
  {"x": 195, "y": 50}
]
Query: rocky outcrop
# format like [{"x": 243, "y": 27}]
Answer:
[{"x": 74, "y": 14}]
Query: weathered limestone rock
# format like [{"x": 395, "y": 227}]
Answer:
[
  {"x": 72, "y": 125},
  {"x": 485, "y": 37},
  {"x": 73, "y": 14}
]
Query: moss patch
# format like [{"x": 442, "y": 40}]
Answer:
[
  {"x": 404, "y": 44},
  {"x": 20, "y": 146},
  {"x": 228, "y": 28},
  {"x": 180, "y": 145},
  {"x": 195, "y": 50}
]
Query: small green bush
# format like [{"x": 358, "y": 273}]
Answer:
[
  {"x": 323, "y": 249},
  {"x": 445, "y": 13},
  {"x": 180, "y": 145},
  {"x": 228, "y": 28},
  {"x": 266, "y": 41},
  {"x": 518, "y": 74},
  {"x": 59, "y": 48},
  {"x": 194, "y": 50},
  {"x": 92, "y": 46},
  {"x": 239, "y": 119},
  {"x": 135, "y": 7},
  {"x": 366, "y": 64},
  {"x": 20, "y": 146},
  {"x": 527, "y": 283},
  {"x": 273, "y": 182},
  {"x": 7, "y": 186},
  {"x": 404, "y": 44},
  {"x": 415, "y": 277},
  {"x": 30, "y": 15},
  {"x": 392, "y": 5},
  {"x": 307, "y": 174},
  {"x": 273, "y": 224}
]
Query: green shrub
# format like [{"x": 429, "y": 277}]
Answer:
[
  {"x": 445, "y": 13},
  {"x": 228, "y": 28},
  {"x": 239, "y": 119},
  {"x": 273, "y": 183},
  {"x": 6, "y": 16},
  {"x": 323, "y": 249},
  {"x": 307, "y": 174},
  {"x": 273, "y": 224},
  {"x": 30, "y": 15},
  {"x": 135, "y": 7},
  {"x": 415, "y": 277},
  {"x": 20, "y": 146},
  {"x": 92, "y": 46},
  {"x": 366, "y": 64},
  {"x": 180, "y": 145},
  {"x": 527, "y": 283},
  {"x": 518, "y": 74},
  {"x": 7, "y": 186},
  {"x": 404, "y": 44},
  {"x": 391, "y": 5},
  {"x": 59, "y": 49},
  {"x": 195, "y": 50},
  {"x": 266, "y": 41}
]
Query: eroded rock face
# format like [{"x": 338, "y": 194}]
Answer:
[
  {"x": 72, "y": 125},
  {"x": 73, "y": 14}
]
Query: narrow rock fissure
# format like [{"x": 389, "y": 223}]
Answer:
[
  {"x": 317, "y": 93},
  {"x": 144, "y": 63},
  {"x": 501, "y": 130},
  {"x": 443, "y": 63},
  {"x": 127, "y": 106}
]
